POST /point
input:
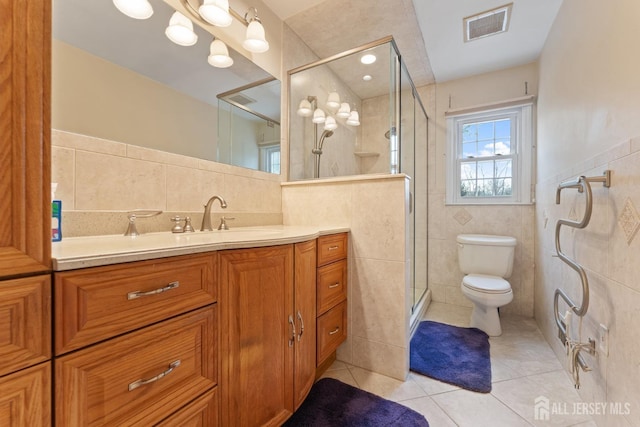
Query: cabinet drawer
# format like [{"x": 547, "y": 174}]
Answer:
[
  {"x": 332, "y": 248},
  {"x": 331, "y": 285},
  {"x": 105, "y": 384},
  {"x": 332, "y": 331},
  {"x": 25, "y": 319},
  {"x": 25, "y": 397},
  {"x": 201, "y": 413},
  {"x": 98, "y": 303}
]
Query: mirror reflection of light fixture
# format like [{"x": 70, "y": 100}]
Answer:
[
  {"x": 354, "y": 119},
  {"x": 330, "y": 124},
  {"x": 136, "y": 9},
  {"x": 255, "y": 40},
  {"x": 333, "y": 101},
  {"x": 180, "y": 30},
  {"x": 345, "y": 111},
  {"x": 304, "y": 109},
  {"x": 216, "y": 12},
  {"x": 219, "y": 55},
  {"x": 318, "y": 116},
  {"x": 367, "y": 59}
]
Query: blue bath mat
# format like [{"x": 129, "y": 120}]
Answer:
[
  {"x": 454, "y": 355},
  {"x": 332, "y": 403}
]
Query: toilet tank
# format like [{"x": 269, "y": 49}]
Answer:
[{"x": 486, "y": 254}]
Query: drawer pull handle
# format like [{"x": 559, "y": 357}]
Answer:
[
  {"x": 134, "y": 385},
  {"x": 335, "y": 331},
  {"x": 292, "y": 340},
  {"x": 335, "y": 285},
  {"x": 301, "y": 325},
  {"x": 138, "y": 294},
  {"x": 333, "y": 248}
]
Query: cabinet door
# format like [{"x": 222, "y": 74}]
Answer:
[
  {"x": 25, "y": 397},
  {"x": 256, "y": 348},
  {"x": 305, "y": 307},
  {"x": 25, "y": 166}
]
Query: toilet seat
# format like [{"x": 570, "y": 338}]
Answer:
[{"x": 486, "y": 284}]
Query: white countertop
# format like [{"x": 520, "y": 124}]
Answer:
[{"x": 91, "y": 251}]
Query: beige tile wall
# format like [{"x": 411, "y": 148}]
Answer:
[
  {"x": 100, "y": 180},
  {"x": 376, "y": 210},
  {"x": 445, "y": 222},
  {"x": 588, "y": 121}
]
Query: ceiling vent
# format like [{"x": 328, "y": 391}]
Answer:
[
  {"x": 241, "y": 99},
  {"x": 487, "y": 23}
]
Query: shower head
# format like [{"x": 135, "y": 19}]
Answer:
[{"x": 326, "y": 134}]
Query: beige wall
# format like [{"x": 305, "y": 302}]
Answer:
[
  {"x": 446, "y": 222},
  {"x": 588, "y": 110},
  {"x": 375, "y": 208},
  {"x": 91, "y": 96},
  {"x": 99, "y": 180}
]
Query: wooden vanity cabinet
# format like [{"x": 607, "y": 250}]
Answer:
[
  {"x": 267, "y": 323},
  {"x": 137, "y": 343},
  {"x": 332, "y": 296},
  {"x": 25, "y": 236}
]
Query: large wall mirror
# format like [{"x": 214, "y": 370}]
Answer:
[{"x": 122, "y": 79}]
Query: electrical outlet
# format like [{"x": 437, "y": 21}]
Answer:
[{"x": 603, "y": 340}]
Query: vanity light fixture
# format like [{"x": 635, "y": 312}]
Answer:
[
  {"x": 345, "y": 111},
  {"x": 354, "y": 119},
  {"x": 136, "y": 9},
  {"x": 219, "y": 55},
  {"x": 367, "y": 59},
  {"x": 216, "y": 12},
  {"x": 255, "y": 40},
  {"x": 318, "y": 116},
  {"x": 304, "y": 109},
  {"x": 180, "y": 30},
  {"x": 367, "y": 78},
  {"x": 330, "y": 124},
  {"x": 333, "y": 101}
]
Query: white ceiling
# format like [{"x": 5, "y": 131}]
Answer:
[{"x": 429, "y": 33}]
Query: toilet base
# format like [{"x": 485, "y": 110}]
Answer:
[{"x": 486, "y": 319}]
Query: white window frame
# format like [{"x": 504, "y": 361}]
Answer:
[{"x": 522, "y": 141}]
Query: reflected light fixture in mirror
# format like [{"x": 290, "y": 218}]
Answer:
[
  {"x": 136, "y": 9},
  {"x": 318, "y": 116},
  {"x": 333, "y": 101},
  {"x": 367, "y": 59},
  {"x": 354, "y": 119},
  {"x": 345, "y": 111},
  {"x": 219, "y": 55},
  {"x": 330, "y": 124},
  {"x": 180, "y": 30},
  {"x": 304, "y": 109}
]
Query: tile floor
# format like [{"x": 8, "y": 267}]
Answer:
[{"x": 523, "y": 367}]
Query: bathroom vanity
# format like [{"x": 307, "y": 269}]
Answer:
[{"x": 222, "y": 328}]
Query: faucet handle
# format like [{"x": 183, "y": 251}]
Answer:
[
  {"x": 223, "y": 223},
  {"x": 188, "y": 228},
  {"x": 177, "y": 228},
  {"x": 138, "y": 213}
]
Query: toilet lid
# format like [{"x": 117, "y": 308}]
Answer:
[{"x": 486, "y": 284}]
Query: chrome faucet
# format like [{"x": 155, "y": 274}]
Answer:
[{"x": 206, "y": 219}]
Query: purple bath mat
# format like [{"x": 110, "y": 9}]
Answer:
[
  {"x": 454, "y": 355},
  {"x": 332, "y": 403}
]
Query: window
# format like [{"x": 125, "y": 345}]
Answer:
[
  {"x": 490, "y": 156},
  {"x": 270, "y": 158}
]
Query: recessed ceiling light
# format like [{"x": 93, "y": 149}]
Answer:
[
  {"x": 368, "y": 59},
  {"x": 366, "y": 78}
]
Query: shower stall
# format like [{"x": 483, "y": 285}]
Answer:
[{"x": 359, "y": 113}]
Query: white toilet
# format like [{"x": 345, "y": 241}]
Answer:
[{"x": 487, "y": 261}]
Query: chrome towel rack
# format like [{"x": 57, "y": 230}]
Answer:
[{"x": 583, "y": 184}]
